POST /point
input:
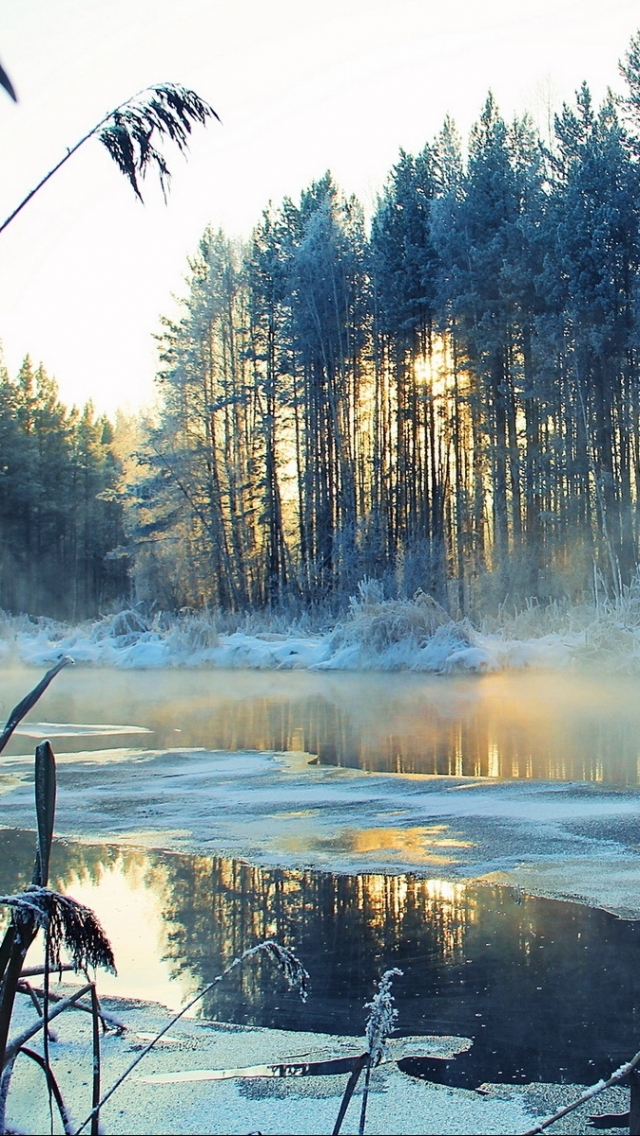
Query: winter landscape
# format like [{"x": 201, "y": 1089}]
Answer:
[{"x": 319, "y": 568}]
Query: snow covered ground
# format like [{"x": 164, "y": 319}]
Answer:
[
  {"x": 171, "y": 1092},
  {"x": 377, "y": 634}
]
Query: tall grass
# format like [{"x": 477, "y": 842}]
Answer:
[{"x": 64, "y": 922}]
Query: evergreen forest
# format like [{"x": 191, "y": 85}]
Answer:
[
  {"x": 60, "y": 522},
  {"x": 444, "y": 397}
]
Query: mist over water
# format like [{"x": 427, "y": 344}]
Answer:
[{"x": 525, "y": 725}]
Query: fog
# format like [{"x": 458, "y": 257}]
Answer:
[{"x": 521, "y": 726}]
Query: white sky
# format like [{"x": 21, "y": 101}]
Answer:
[{"x": 301, "y": 87}]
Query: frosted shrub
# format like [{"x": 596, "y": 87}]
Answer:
[
  {"x": 370, "y": 594},
  {"x": 630, "y": 602},
  {"x": 377, "y": 624},
  {"x": 125, "y": 626},
  {"x": 192, "y": 634},
  {"x": 382, "y": 1016},
  {"x": 380, "y": 1024},
  {"x": 128, "y": 625}
]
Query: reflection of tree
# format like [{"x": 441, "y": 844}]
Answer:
[
  {"x": 69, "y": 862},
  {"x": 495, "y": 737},
  {"x": 489, "y": 739},
  {"x": 517, "y": 974},
  {"x": 347, "y": 929},
  {"x": 408, "y": 724}
]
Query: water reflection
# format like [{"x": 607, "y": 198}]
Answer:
[
  {"x": 549, "y": 991},
  {"x": 420, "y": 845},
  {"x": 512, "y": 726}
]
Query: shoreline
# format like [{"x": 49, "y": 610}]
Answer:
[{"x": 162, "y": 1094}]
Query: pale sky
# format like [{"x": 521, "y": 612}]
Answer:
[{"x": 86, "y": 271}]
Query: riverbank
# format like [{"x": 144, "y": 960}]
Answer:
[
  {"x": 172, "y": 1090},
  {"x": 374, "y": 634}
]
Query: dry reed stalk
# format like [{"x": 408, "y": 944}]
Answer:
[{"x": 287, "y": 962}]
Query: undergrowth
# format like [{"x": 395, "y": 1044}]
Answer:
[
  {"x": 377, "y": 624},
  {"x": 374, "y": 632}
]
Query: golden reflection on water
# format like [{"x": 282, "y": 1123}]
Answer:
[
  {"x": 419, "y": 845},
  {"x": 525, "y": 725}
]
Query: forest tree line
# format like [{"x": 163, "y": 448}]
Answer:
[
  {"x": 445, "y": 399},
  {"x": 61, "y": 523}
]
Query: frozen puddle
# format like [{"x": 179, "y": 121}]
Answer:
[{"x": 73, "y": 738}]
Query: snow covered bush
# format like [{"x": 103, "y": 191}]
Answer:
[{"x": 376, "y": 624}]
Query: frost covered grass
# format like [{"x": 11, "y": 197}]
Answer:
[
  {"x": 376, "y": 633},
  {"x": 380, "y": 1024}
]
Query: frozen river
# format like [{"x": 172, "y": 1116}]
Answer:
[{"x": 368, "y": 821}]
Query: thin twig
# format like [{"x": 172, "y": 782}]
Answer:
[
  {"x": 365, "y": 1098},
  {"x": 95, "y": 1084},
  {"x": 15, "y": 1045},
  {"x": 109, "y": 1021},
  {"x": 614, "y": 1079},
  {"x": 53, "y": 1086},
  {"x": 296, "y": 975},
  {"x": 25, "y": 988},
  {"x": 45, "y": 1022},
  {"x": 36, "y": 971},
  {"x": 350, "y": 1089}
]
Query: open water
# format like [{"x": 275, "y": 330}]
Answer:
[{"x": 547, "y": 990}]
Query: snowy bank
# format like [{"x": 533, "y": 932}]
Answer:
[
  {"x": 376, "y": 634},
  {"x": 173, "y": 1090},
  {"x": 390, "y": 635}
]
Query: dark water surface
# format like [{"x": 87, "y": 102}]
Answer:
[
  {"x": 549, "y": 991},
  {"x": 524, "y": 725}
]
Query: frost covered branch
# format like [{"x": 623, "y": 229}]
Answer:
[
  {"x": 64, "y": 1004},
  {"x": 592, "y": 1091}
]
